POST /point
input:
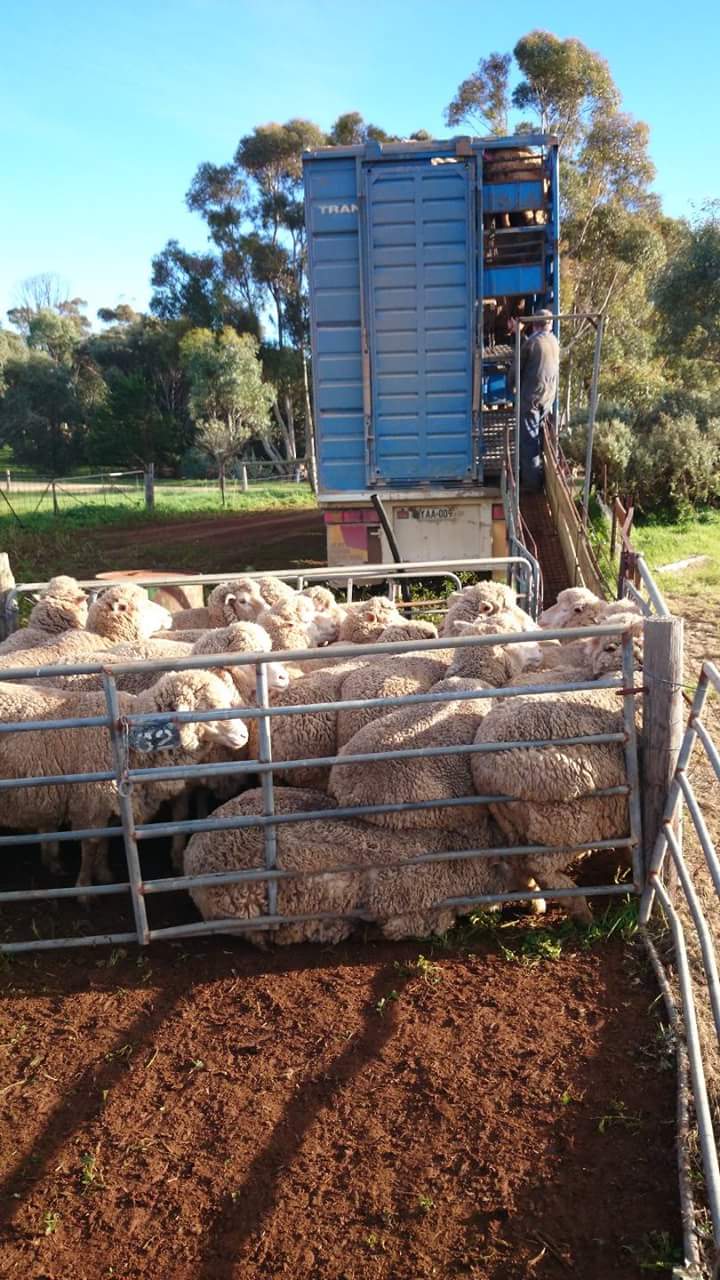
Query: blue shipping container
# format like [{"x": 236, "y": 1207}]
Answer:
[{"x": 408, "y": 243}]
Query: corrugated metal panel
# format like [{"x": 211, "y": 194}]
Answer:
[
  {"x": 332, "y": 215},
  {"x": 501, "y": 197},
  {"x": 513, "y": 281},
  {"x": 420, "y": 308}
]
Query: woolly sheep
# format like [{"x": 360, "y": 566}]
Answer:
[
  {"x": 329, "y": 615},
  {"x": 497, "y": 664},
  {"x": 484, "y": 600},
  {"x": 549, "y": 783},
  {"x": 293, "y": 624},
  {"x": 244, "y": 599},
  {"x": 122, "y": 614},
  {"x": 366, "y": 620},
  {"x": 34, "y": 753},
  {"x": 580, "y": 607},
  {"x": 307, "y": 735},
  {"x": 401, "y": 899},
  {"x": 125, "y": 613},
  {"x": 390, "y": 677},
  {"x": 197, "y": 619},
  {"x": 430, "y": 778},
  {"x": 408, "y": 629},
  {"x": 62, "y": 606}
]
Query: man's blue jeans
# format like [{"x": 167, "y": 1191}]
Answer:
[{"x": 532, "y": 425}]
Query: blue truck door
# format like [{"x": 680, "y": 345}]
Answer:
[{"x": 419, "y": 290}]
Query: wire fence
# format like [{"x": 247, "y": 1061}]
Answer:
[
  {"x": 23, "y": 496},
  {"x": 59, "y": 494}
]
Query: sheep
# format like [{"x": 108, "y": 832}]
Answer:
[
  {"x": 365, "y": 620},
  {"x": 580, "y": 607},
  {"x": 310, "y": 734},
  {"x": 197, "y": 619},
  {"x": 408, "y": 629},
  {"x": 438, "y": 778},
  {"x": 240, "y": 637},
  {"x": 549, "y": 783},
  {"x": 390, "y": 677},
  {"x": 35, "y": 753},
  {"x": 591, "y": 658},
  {"x": 126, "y": 613},
  {"x": 400, "y": 899},
  {"x": 496, "y": 665},
  {"x": 62, "y": 606},
  {"x": 484, "y": 600},
  {"x": 329, "y": 614},
  {"x": 244, "y": 599},
  {"x": 294, "y": 624}
]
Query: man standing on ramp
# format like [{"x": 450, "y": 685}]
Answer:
[{"x": 539, "y": 366}]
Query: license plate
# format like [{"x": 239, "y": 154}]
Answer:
[{"x": 432, "y": 513}]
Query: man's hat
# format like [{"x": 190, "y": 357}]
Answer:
[{"x": 542, "y": 314}]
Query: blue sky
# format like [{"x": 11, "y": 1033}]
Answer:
[{"x": 106, "y": 110}]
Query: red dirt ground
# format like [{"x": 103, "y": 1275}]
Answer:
[
  {"x": 207, "y": 1111},
  {"x": 211, "y": 1112}
]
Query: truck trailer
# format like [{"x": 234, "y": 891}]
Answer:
[{"x": 420, "y": 254}]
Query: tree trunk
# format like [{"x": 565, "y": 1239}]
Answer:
[
  {"x": 290, "y": 421},
  {"x": 221, "y": 478},
  {"x": 309, "y": 431}
]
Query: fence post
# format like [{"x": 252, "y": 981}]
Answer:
[
  {"x": 8, "y": 481},
  {"x": 244, "y": 478},
  {"x": 663, "y": 724},
  {"x": 56, "y": 508},
  {"x": 8, "y": 612},
  {"x": 150, "y": 486}
]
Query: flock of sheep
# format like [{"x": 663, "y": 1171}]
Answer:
[{"x": 373, "y": 867}]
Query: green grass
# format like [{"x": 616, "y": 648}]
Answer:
[
  {"x": 35, "y": 511},
  {"x": 663, "y": 542}
]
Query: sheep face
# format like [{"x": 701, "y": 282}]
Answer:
[
  {"x": 328, "y": 614},
  {"x": 277, "y": 676},
  {"x": 238, "y": 601},
  {"x": 575, "y": 607},
  {"x": 63, "y": 606},
  {"x": 125, "y": 612},
  {"x": 605, "y": 652},
  {"x": 200, "y": 691},
  {"x": 365, "y": 621}
]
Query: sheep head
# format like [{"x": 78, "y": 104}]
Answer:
[
  {"x": 605, "y": 652},
  {"x": 575, "y": 607},
  {"x": 126, "y": 613},
  {"x": 198, "y": 691},
  {"x": 234, "y": 602},
  {"x": 329, "y": 614},
  {"x": 62, "y": 606},
  {"x": 365, "y": 621}
]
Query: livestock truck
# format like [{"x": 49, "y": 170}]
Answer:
[{"x": 420, "y": 254}]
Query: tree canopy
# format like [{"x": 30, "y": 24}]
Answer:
[{"x": 228, "y": 326}]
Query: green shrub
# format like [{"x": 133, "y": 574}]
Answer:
[
  {"x": 613, "y": 443},
  {"x": 675, "y": 466}
]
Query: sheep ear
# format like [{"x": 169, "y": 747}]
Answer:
[
  {"x": 486, "y": 607},
  {"x": 372, "y": 617},
  {"x": 462, "y": 627},
  {"x": 454, "y": 595},
  {"x": 230, "y": 597}
]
